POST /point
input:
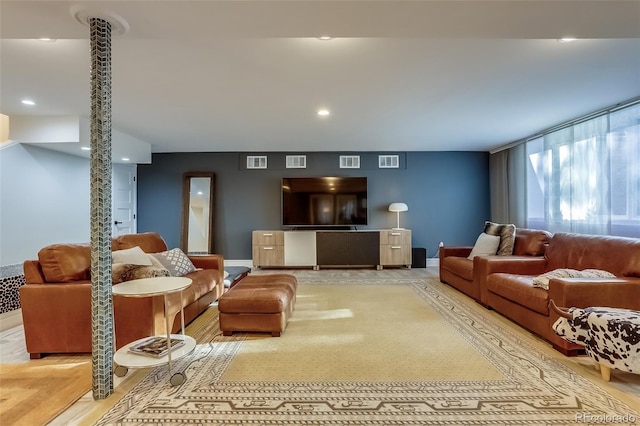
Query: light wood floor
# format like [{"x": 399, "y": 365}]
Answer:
[{"x": 13, "y": 350}]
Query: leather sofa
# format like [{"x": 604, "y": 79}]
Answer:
[
  {"x": 506, "y": 282},
  {"x": 56, "y": 311},
  {"x": 459, "y": 271}
]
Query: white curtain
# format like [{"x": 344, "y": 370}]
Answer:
[{"x": 584, "y": 178}]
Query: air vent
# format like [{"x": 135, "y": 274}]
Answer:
[
  {"x": 349, "y": 161},
  {"x": 256, "y": 161},
  {"x": 296, "y": 161},
  {"x": 388, "y": 161}
]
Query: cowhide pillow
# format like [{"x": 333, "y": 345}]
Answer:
[
  {"x": 122, "y": 272},
  {"x": 542, "y": 281}
]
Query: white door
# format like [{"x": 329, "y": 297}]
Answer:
[{"x": 123, "y": 199}]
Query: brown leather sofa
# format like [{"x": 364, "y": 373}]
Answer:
[
  {"x": 57, "y": 311},
  {"x": 506, "y": 283},
  {"x": 458, "y": 271}
]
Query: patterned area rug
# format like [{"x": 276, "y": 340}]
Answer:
[{"x": 534, "y": 389}]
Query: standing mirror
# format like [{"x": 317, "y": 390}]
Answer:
[{"x": 197, "y": 212}]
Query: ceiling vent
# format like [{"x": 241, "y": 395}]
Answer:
[
  {"x": 349, "y": 161},
  {"x": 296, "y": 161},
  {"x": 388, "y": 161},
  {"x": 256, "y": 161}
]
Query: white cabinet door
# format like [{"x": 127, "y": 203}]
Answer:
[{"x": 300, "y": 248}]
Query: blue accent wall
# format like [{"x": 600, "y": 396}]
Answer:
[{"x": 447, "y": 194}]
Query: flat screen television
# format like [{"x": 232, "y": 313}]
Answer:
[{"x": 324, "y": 201}]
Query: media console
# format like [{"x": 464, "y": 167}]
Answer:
[{"x": 379, "y": 248}]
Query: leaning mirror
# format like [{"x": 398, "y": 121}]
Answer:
[{"x": 197, "y": 212}]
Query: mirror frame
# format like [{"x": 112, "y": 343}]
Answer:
[{"x": 186, "y": 190}]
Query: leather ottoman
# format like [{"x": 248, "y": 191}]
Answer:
[{"x": 262, "y": 303}]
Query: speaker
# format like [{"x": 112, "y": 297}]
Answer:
[{"x": 418, "y": 257}]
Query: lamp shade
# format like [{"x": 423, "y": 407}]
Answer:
[{"x": 398, "y": 207}]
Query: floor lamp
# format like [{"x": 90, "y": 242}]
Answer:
[{"x": 397, "y": 208}]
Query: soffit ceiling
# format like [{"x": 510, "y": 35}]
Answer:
[{"x": 397, "y": 76}]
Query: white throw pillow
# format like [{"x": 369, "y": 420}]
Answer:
[
  {"x": 132, "y": 256},
  {"x": 486, "y": 245}
]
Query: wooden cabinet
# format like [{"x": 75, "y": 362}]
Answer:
[
  {"x": 344, "y": 248},
  {"x": 395, "y": 247},
  {"x": 268, "y": 248},
  {"x": 332, "y": 248}
]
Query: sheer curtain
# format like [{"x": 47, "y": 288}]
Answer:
[{"x": 585, "y": 178}]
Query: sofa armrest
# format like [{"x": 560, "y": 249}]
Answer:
[
  {"x": 208, "y": 261},
  {"x": 483, "y": 266},
  {"x": 585, "y": 292},
  {"x": 454, "y": 251},
  {"x": 522, "y": 265},
  {"x": 56, "y": 317}
]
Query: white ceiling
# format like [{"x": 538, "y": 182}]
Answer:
[{"x": 398, "y": 76}]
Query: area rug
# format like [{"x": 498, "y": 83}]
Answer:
[
  {"x": 421, "y": 355},
  {"x": 35, "y": 392}
]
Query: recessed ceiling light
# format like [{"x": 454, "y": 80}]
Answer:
[
  {"x": 28, "y": 102},
  {"x": 85, "y": 148},
  {"x": 125, "y": 158},
  {"x": 323, "y": 112},
  {"x": 566, "y": 39},
  {"x": 324, "y": 38}
]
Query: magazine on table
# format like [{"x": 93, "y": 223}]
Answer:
[{"x": 155, "y": 346}]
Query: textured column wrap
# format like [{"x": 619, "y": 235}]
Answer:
[{"x": 101, "y": 297}]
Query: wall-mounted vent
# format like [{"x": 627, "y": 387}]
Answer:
[
  {"x": 388, "y": 161},
  {"x": 296, "y": 161},
  {"x": 349, "y": 161},
  {"x": 256, "y": 161}
]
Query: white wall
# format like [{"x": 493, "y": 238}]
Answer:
[{"x": 44, "y": 199}]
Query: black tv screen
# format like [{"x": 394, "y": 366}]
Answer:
[{"x": 324, "y": 201}]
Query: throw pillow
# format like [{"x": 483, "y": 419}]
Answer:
[
  {"x": 132, "y": 256},
  {"x": 507, "y": 234},
  {"x": 121, "y": 272},
  {"x": 486, "y": 245},
  {"x": 542, "y": 281},
  {"x": 176, "y": 262}
]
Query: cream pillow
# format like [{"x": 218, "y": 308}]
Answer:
[
  {"x": 542, "y": 281},
  {"x": 132, "y": 256},
  {"x": 486, "y": 245}
]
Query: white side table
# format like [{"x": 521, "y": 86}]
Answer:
[{"x": 147, "y": 287}]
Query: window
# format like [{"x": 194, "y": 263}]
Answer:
[{"x": 585, "y": 178}]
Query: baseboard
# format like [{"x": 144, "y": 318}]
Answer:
[
  {"x": 10, "y": 319},
  {"x": 433, "y": 262},
  {"x": 249, "y": 263}
]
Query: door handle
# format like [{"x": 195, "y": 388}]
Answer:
[{"x": 117, "y": 222}]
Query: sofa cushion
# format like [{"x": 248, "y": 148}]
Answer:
[
  {"x": 531, "y": 242},
  {"x": 149, "y": 242},
  {"x": 507, "y": 234},
  {"x": 202, "y": 282},
  {"x": 64, "y": 263},
  {"x": 460, "y": 266},
  {"x": 618, "y": 255},
  {"x": 519, "y": 289},
  {"x": 175, "y": 261},
  {"x": 486, "y": 245}
]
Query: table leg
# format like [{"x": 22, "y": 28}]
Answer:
[
  {"x": 605, "y": 372},
  {"x": 166, "y": 320}
]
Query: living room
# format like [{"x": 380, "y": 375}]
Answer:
[{"x": 448, "y": 177}]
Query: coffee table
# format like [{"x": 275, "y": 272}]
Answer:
[{"x": 148, "y": 287}]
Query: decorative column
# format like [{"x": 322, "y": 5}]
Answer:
[{"x": 102, "y": 335}]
